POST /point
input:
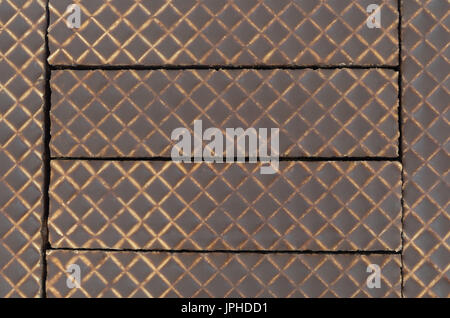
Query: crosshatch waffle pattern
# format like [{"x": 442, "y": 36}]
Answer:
[
  {"x": 218, "y": 32},
  {"x": 173, "y": 206},
  {"x": 278, "y": 33},
  {"x": 426, "y": 133},
  {"x": 133, "y": 113},
  {"x": 21, "y": 100},
  {"x": 127, "y": 274}
]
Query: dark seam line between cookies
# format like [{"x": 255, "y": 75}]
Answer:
[
  {"x": 312, "y": 159},
  {"x": 46, "y": 157},
  {"x": 177, "y": 251},
  {"x": 217, "y": 67}
]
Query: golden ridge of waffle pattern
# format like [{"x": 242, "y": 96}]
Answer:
[
  {"x": 127, "y": 274},
  {"x": 133, "y": 113},
  {"x": 167, "y": 205},
  {"x": 21, "y": 101},
  {"x": 223, "y": 32},
  {"x": 426, "y": 135}
]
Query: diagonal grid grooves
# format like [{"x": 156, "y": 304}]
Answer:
[{"x": 47, "y": 157}]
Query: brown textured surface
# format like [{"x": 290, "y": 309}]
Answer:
[
  {"x": 188, "y": 32},
  {"x": 426, "y": 161},
  {"x": 221, "y": 275},
  {"x": 224, "y": 32},
  {"x": 21, "y": 100},
  {"x": 165, "y": 205},
  {"x": 133, "y": 113}
]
